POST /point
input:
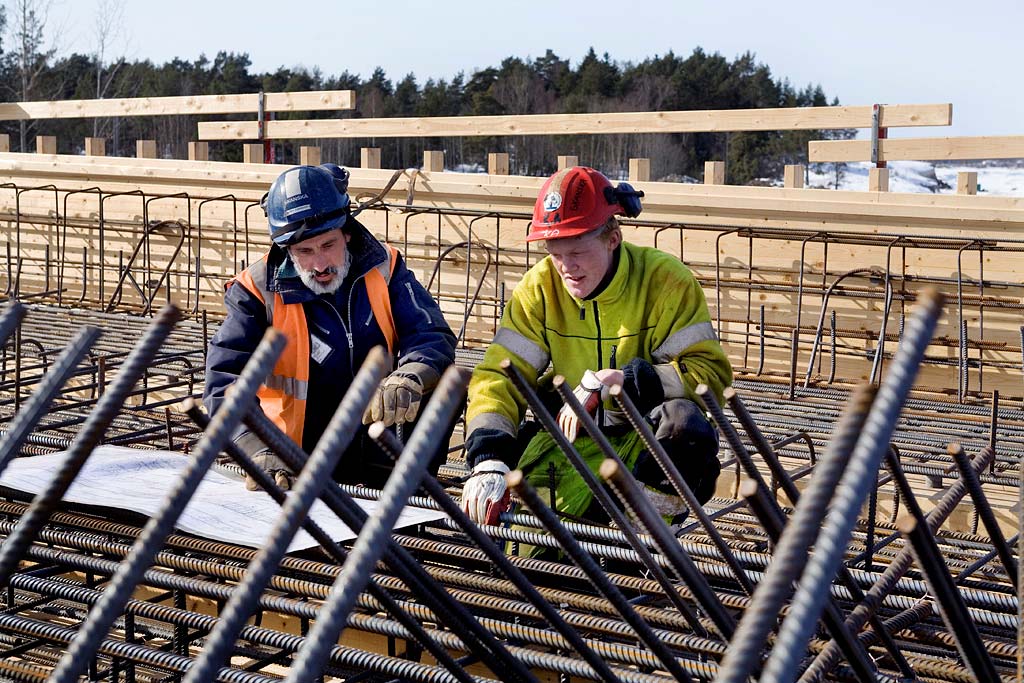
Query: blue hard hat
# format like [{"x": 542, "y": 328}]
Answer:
[{"x": 305, "y": 201}]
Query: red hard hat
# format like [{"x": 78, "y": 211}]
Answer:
[{"x": 571, "y": 203}]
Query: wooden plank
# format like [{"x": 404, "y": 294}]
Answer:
[
  {"x": 967, "y": 182},
  {"x": 369, "y": 157},
  {"x": 878, "y": 180},
  {"x": 640, "y": 170},
  {"x": 567, "y": 161},
  {"x": 702, "y": 121},
  {"x": 252, "y": 153},
  {"x": 714, "y": 173},
  {"x": 919, "y": 149},
  {"x": 199, "y": 151},
  {"x": 190, "y": 104},
  {"x": 46, "y": 144},
  {"x": 497, "y": 163},
  {"x": 145, "y": 149},
  {"x": 95, "y": 147},
  {"x": 309, "y": 155},
  {"x": 793, "y": 175},
  {"x": 433, "y": 160}
]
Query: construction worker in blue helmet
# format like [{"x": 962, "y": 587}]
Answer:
[{"x": 335, "y": 291}]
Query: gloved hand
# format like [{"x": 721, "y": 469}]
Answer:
[
  {"x": 485, "y": 495},
  {"x": 397, "y": 399},
  {"x": 588, "y": 393},
  {"x": 272, "y": 465},
  {"x": 264, "y": 458}
]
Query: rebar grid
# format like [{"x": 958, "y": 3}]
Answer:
[{"x": 59, "y": 572}]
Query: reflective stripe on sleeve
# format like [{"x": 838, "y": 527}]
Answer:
[
  {"x": 670, "y": 382},
  {"x": 492, "y": 421},
  {"x": 295, "y": 388},
  {"x": 529, "y": 351},
  {"x": 682, "y": 340}
]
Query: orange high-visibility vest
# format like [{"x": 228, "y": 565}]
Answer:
[{"x": 283, "y": 394}]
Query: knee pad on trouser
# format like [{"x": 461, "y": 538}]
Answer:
[{"x": 690, "y": 441}]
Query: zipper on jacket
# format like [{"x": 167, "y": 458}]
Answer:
[{"x": 348, "y": 334}]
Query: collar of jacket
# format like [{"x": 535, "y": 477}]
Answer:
[
  {"x": 617, "y": 286},
  {"x": 367, "y": 253}
]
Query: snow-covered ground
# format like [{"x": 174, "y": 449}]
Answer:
[{"x": 994, "y": 178}]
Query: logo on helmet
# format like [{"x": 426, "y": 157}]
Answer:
[{"x": 552, "y": 200}]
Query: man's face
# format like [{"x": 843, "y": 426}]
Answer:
[
  {"x": 583, "y": 261},
  {"x": 322, "y": 260}
]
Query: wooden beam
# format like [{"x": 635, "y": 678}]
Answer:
[
  {"x": 714, "y": 173},
  {"x": 919, "y": 149},
  {"x": 145, "y": 149},
  {"x": 46, "y": 144},
  {"x": 191, "y": 104},
  {"x": 967, "y": 182},
  {"x": 639, "y": 170},
  {"x": 568, "y": 161},
  {"x": 433, "y": 160},
  {"x": 497, "y": 163},
  {"x": 878, "y": 180},
  {"x": 309, "y": 155},
  {"x": 369, "y": 157},
  {"x": 5, "y": 142},
  {"x": 793, "y": 175},
  {"x": 95, "y": 147},
  {"x": 706, "y": 121},
  {"x": 199, "y": 151},
  {"x": 252, "y": 153}
]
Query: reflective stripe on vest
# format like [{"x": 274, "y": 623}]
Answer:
[{"x": 283, "y": 394}]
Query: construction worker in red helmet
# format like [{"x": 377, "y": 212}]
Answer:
[{"x": 600, "y": 312}]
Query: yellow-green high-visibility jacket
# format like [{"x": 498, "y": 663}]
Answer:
[{"x": 653, "y": 309}]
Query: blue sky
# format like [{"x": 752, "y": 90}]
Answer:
[{"x": 910, "y": 51}]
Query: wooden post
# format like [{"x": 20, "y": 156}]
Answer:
[
  {"x": 878, "y": 180},
  {"x": 309, "y": 155},
  {"x": 145, "y": 149},
  {"x": 46, "y": 144},
  {"x": 95, "y": 147},
  {"x": 497, "y": 163},
  {"x": 967, "y": 182},
  {"x": 5, "y": 142},
  {"x": 199, "y": 151},
  {"x": 433, "y": 160},
  {"x": 714, "y": 173},
  {"x": 369, "y": 157},
  {"x": 793, "y": 176},
  {"x": 567, "y": 161},
  {"x": 252, "y": 153},
  {"x": 639, "y": 170}
]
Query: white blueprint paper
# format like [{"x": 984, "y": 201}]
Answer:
[{"x": 221, "y": 509}]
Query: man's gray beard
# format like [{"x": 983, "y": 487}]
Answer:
[{"x": 331, "y": 287}]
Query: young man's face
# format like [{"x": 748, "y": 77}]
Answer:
[
  {"x": 321, "y": 260},
  {"x": 583, "y": 261}
]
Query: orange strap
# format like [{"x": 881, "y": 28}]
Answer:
[{"x": 380, "y": 301}]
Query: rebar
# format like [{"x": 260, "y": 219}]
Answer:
[
  {"x": 866, "y": 456},
  {"x": 581, "y": 559},
  {"x": 160, "y": 526},
  {"x": 87, "y": 438},
  {"x": 369, "y": 546}
]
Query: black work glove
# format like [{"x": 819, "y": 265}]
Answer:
[{"x": 641, "y": 383}]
